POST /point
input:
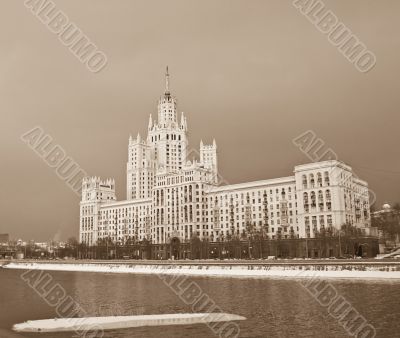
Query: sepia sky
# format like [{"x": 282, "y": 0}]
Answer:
[{"x": 253, "y": 74}]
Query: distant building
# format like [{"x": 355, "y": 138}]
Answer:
[
  {"x": 387, "y": 220},
  {"x": 42, "y": 245},
  {"x": 171, "y": 196},
  {"x": 4, "y": 238},
  {"x": 386, "y": 210}
]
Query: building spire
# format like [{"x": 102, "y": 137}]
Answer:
[{"x": 167, "y": 82}]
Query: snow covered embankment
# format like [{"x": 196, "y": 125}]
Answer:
[{"x": 225, "y": 270}]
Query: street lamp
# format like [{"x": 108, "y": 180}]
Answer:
[{"x": 116, "y": 235}]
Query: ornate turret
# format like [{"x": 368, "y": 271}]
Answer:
[
  {"x": 183, "y": 121},
  {"x": 96, "y": 189},
  {"x": 208, "y": 158}
]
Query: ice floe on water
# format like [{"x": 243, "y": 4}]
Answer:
[{"x": 121, "y": 322}]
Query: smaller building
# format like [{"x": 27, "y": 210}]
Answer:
[{"x": 387, "y": 221}]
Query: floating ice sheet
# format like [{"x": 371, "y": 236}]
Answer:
[{"x": 121, "y": 322}]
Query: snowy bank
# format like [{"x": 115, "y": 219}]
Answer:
[{"x": 345, "y": 270}]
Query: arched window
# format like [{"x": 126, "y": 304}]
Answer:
[
  {"x": 326, "y": 178},
  {"x": 319, "y": 180},
  {"x": 312, "y": 182},
  {"x": 313, "y": 200},
  {"x": 321, "y": 200},
  {"x": 321, "y": 221},
  {"x": 328, "y": 195},
  {"x": 305, "y": 199},
  {"x": 304, "y": 180},
  {"x": 190, "y": 213},
  {"x": 186, "y": 213},
  {"x": 328, "y": 199}
]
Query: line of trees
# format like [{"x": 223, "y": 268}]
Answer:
[{"x": 252, "y": 243}]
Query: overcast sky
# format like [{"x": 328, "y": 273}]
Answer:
[{"x": 253, "y": 74}]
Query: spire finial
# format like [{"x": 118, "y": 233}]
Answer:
[{"x": 167, "y": 81}]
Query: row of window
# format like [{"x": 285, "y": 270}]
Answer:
[{"x": 312, "y": 181}]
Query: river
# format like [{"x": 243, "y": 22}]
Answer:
[{"x": 273, "y": 307}]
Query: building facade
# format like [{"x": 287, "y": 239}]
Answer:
[{"x": 172, "y": 198}]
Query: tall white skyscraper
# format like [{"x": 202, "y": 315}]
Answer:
[{"x": 170, "y": 197}]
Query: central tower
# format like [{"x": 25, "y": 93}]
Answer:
[
  {"x": 167, "y": 138},
  {"x": 164, "y": 150}
]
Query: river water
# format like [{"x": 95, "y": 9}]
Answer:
[{"x": 273, "y": 308}]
